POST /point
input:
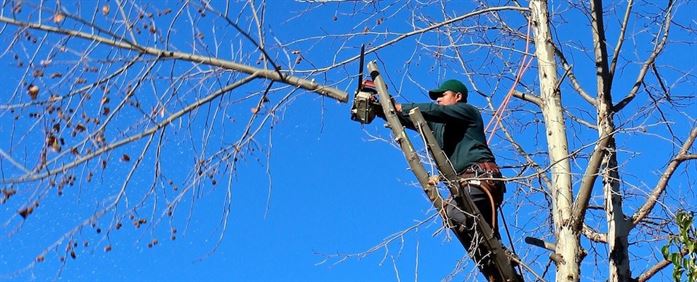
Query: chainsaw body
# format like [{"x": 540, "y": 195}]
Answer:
[{"x": 363, "y": 109}]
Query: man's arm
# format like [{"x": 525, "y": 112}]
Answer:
[
  {"x": 461, "y": 113},
  {"x": 403, "y": 117}
]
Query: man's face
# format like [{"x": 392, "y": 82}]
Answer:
[{"x": 448, "y": 98}]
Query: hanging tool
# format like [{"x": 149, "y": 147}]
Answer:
[{"x": 363, "y": 109}]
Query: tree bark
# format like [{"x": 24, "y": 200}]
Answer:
[
  {"x": 617, "y": 224},
  {"x": 405, "y": 144},
  {"x": 568, "y": 248}
]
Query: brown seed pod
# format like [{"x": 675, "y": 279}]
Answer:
[
  {"x": 33, "y": 91},
  {"x": 58, "y": 17},
  {"x": 25, "y": 212}
]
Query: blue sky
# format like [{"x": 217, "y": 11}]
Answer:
[{"x": 317, "y": 186}]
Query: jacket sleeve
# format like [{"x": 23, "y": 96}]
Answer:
[
  {"x": 403, "y": 117},
  {"x": 459, "y": 113}
]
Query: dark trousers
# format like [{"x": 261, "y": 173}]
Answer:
[
  {"x": 487, "y": 195},
  {"x": 487, "y": 202},
  {"x": 483, "y": 203}
]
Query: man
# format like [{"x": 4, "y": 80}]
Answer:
[{"x": 459, "y": 130}]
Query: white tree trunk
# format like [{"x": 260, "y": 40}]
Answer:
[
  {"x": 568, "y": 248},
  {"x": 617, "y": 225}
]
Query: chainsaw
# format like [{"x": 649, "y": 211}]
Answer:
[{"x": 365, "y": 104}]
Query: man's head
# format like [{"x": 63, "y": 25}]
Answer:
[{"x": 450, "y": 92}]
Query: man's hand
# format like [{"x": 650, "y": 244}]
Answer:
[
  {"x": 398, "y": 107},
  {"x": 434, "y": 179}
]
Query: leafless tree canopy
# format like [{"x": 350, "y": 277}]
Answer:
[{"x": 135, "y": 111}]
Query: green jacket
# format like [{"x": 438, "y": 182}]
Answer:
[{"x": 459, "y": 131}]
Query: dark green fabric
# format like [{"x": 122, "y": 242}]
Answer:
[{"x": 459, "y": 130}]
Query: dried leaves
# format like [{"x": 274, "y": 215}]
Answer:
[
  {"x": 33, "y": 91},
  {"x": 6, "y": 194},
  {"x": 153, "y": 243},
  {"x": 28, "y": 210},
  {"x": 139, "y": 222},
  {"x": 58, "y": 17},
  {"x": 54, "y": 142}
]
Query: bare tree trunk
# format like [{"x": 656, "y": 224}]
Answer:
[
  {"x": 617, "y": 225},
  {"x": 567, "y": 247}
]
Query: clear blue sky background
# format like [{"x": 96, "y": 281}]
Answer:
[{"x": 333, "y": 188}]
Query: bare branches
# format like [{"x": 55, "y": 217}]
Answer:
[
  {"x": 13, "y": 161},
  {"x": 80, "y": 90},
  {"x": 97, "y": 87},
  {"x": 662, "y": 184},
  {"x": 574, "y": 81},
  {"x": 166, "y": 54},
  {"x": 259, "y": 45},
  {"x": 528, "y": 97},
  {"x": 126, "y": 21},
  {"x": 620, "y": 39},
  {"x": 124, "y": 141},
  {"x": 653, "y": 270},
  {"x": 650, "y": 61},
  {"x": 424, "y": 30},
  {"x": 593, "y": 235},
  {"x": 395, "y": 237}
]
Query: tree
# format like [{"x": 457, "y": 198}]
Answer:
[{"x": 111, "y": 94}]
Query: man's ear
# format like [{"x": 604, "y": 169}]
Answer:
[{"x": 458, "y": 96}]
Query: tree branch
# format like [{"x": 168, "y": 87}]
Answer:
[
  {"x": 133, "y": 138},
  {"x": 574, "y": 81},
  {"x": 650, "y": 61},
  {"x": 604, "y": 83},
  {"x": 259, "y": 45},
  {"x": 588, "y": 181},
  {"x": 424, "y": 30},
  {"x": 54, "y": 99},
  {"x": 663, "y": 181},
  {"x": 653, "y": 270},
  {"x": 620, "y": 40},
  {"x": 593, "y": 235},
  {"x": 268, "y": 74},
  {"x": 528, "y": 97}
]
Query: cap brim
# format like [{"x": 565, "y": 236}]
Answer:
[{"x": 435, "y": 93}]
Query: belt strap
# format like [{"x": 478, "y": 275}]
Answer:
[
  {"x": 488, "y": 166},
  {"x": 481, "y": 166}
]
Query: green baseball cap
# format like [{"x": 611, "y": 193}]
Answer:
[{"x": 452, "y": 85}]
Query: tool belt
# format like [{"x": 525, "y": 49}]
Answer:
[{"x": 481, "y": 174}]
